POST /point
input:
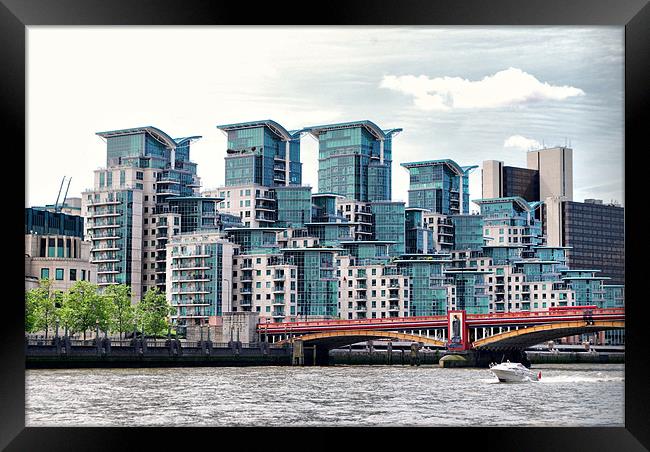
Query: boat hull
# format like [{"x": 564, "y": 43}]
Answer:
[{"x": 508, "y": 376}]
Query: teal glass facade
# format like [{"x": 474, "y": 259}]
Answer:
[
  {"x": 263, "y": 153},
  {"x": 389, "y": 225},
  {"x": 418, "y": 238},
  {"x": 468, "y": 232},
  {"x": 316, "y": 281},
  {"x": 428, "y": 294},
  {"x": 470, "y": 291},
  {"x": 354, "y": 160},
  {"x": 441, "y": 186},
  {"x": 294, "y": 206}
]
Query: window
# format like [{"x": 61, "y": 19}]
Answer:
[
  {"x": 139, "y": 175},
  {"x": 45, "y": 273},
  {"x": 83, "y": 275},
  {"x": 59, "y": 274},
  {"x": 73, "y": 274}
]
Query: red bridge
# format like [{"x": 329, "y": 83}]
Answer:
[{"x": 498, "y": 331}]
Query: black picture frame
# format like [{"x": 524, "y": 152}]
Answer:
[{"x": 16, "y": 15}]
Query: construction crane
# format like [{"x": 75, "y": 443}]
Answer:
[{"x": 57, "y": 207}]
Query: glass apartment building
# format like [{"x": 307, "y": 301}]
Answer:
[
  {"x": 510, "y": 221},
  {"x": 441, "y": 186},
  {"x": 145, "y": 168},
  {"x": 427, "y": 282},
  {"x": 418, "y": 237},
  {"x": 198, "y": 273},
  {"x": 294, "y": 206},
  {"x": 388, "y": 218},
  {"x": 354, "y": 160},
  {"x": 262, "y": 153},
  {"x": 468, "y": 232}
]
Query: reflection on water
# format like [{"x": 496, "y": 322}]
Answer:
[{"x": 567, "y": 395}]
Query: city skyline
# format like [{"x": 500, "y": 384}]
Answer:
[{"x": 454, "y": 105}]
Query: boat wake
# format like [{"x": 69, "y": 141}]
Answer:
[{"x": 554, "y": 379}]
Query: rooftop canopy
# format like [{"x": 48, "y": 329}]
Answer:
[
  {"x": 370, "y": 126},
  {"x": 521, "y": 202},
  {"x": 276, "y": 128},
  {"x": 455, "y": 167},
  {"x": 153, "y": 131},
  {"x": 183, "y": 140}
]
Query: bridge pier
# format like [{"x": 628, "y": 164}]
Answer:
[
  {"x": 483, "y": 358},
  {"x": 298, "y": 353}
]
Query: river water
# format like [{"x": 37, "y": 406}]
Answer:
[{"x": 567, "y": 395}]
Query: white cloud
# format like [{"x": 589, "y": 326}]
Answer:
[
  {"x": 505, "y": 88},
  {"x": 521, "y": 142}
]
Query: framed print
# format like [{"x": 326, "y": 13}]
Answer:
[{"x": 413, "y": 215}]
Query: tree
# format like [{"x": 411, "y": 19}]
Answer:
[
  {"x": 41, "y": 310},
  {"x": 122, "y": 312},
  {"x": 152, "y": 313},
  {"x": 83, "y": 308}
]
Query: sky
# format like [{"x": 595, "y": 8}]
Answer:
[{"x": 464, "y": 93}]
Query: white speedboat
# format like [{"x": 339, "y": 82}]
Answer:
[{"x": 513, "y": 372}]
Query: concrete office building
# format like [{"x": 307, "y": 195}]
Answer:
[
  {"x": 555, "y": 168},
  {"x": 593, "y": 231},
  {"x": 55, "y": 250},
  {"x": 499, "y": 181}
]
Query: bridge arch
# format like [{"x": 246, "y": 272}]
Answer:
[
  {"x": 527, "y": 337},
  {"x": 336, "y": 339}
]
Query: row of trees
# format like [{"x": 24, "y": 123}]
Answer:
[{"x": 83, "y": 308}]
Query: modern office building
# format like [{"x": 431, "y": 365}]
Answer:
[
  {"x": 262, "y": 153},
  {"x": 199, "y": 274},
  {"x": 55, "y": 250},
  {"x": 555, "y": 170},
  {"x": 145, "y": 168},
  {"x": 354, "y": 160},
  {"x": 499, "y": 181},
  {"x": 441, "y": 186},
  {"x": 593, "y": 231}
]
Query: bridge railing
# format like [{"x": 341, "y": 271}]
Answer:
[
  {"x": 290, "y": 326},
  {"x": 382, "y": 321}
]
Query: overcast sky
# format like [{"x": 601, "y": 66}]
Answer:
[{"x": 465, "y": 93}]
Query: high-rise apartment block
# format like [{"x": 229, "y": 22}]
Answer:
[
  {"x": 441, "y": 186},
  {"x": 265, "y": 243},
  {"x": 145, "y": 169},
  {"x": 354, "y": 160}
]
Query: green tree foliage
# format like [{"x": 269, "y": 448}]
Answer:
[
  {"x": 122, "y": 312},
  {"x": 153, "y": 313},
  {"x": 83, "y": 307},
  {"x": 41, "y": 310}
]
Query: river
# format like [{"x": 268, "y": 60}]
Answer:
[{"x": 567, "y": 395}]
